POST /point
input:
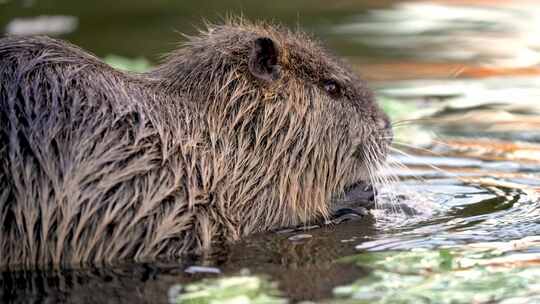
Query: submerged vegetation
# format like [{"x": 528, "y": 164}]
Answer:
[
  {"x": 236, "y": 289},
  {"x": 498, "y": 272},
  {"x": 474, "y": 273}
]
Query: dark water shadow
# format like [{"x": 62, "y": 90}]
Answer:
[{"x": 305, "y": 270}]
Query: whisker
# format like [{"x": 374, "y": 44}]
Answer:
[
  {"x": 400, "y": 165},
  {"x": 442, "y": 143},
  {"x": 394, "y": 140},
  {"x": 392, "y": 180},
  {"x": 417, "y": 148},
  {"x": 407, "y": 121},
  {"x": 393, "y": 149},
  {"x": 386, "y": 180}
]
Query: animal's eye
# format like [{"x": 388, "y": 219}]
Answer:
[{"x": 332, "y": 88}]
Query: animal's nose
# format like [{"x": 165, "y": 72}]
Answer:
[
  {"x": 385, "y": 127},
  {"x": 383, "y": 123}
]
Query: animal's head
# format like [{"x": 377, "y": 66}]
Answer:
[{"x": 294, "y": 126}]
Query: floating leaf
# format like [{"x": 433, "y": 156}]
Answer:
[
  {"x": 128, "y": 64},
  {"x": 236, "y": 289}
]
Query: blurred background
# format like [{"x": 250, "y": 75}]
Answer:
[
  {"x": 502, "y": 33},
  {"x": 150, "y": 28},
  {"x": 419, "y": 38}
]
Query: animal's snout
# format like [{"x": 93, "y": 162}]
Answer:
[
  {"x": 385, "y": 127},
  {"x": 384, "y": 123}
]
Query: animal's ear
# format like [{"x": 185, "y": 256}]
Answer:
[{"x": 263, "y": 60}]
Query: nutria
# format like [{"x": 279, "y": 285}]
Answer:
[{"x": 246, "y": 128}]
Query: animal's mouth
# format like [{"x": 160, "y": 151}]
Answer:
[
  {"x": 358, "y": 199},
  {"x": 360, "y": 194}
]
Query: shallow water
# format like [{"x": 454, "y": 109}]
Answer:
[{"x": 470, "y": 163}]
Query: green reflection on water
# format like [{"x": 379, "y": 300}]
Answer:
[
  {"x": 151, "y": 28},
  {"x": 469, "y": 274}
]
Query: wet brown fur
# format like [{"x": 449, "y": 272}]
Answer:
[{"x": 98, "y": 165}]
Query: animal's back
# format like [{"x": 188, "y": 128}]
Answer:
[
  {"x": 77, "y": 159},
  {"x": 246, "y": 128}
]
